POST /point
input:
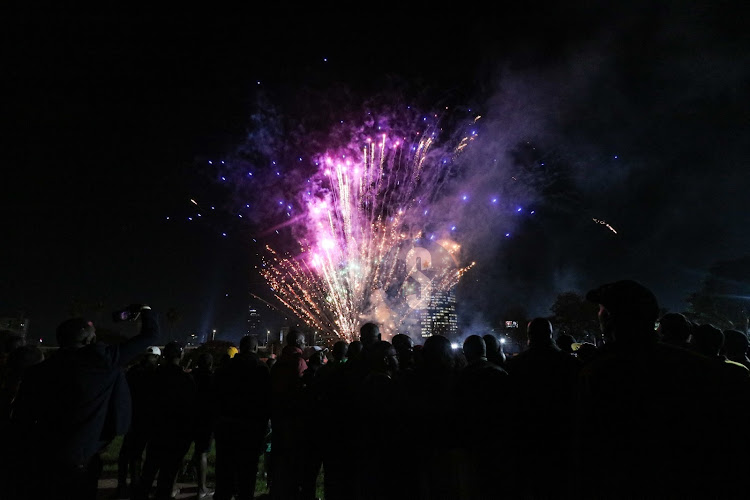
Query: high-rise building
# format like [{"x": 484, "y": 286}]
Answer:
[
  {"x": 439, "y": 317},
  {"x": 253, "y": 321}
]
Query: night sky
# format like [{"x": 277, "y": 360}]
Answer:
[{"x": 639, "y": 113}]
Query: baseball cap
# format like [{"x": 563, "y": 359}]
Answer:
[
  {"x": 626, "y": 298},
  {"x": 153, "y": 350}
]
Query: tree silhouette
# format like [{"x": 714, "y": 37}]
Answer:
[{"x": 574, "y": 315}]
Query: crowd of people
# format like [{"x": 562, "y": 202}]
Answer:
[{"x": 658, "y": 409}]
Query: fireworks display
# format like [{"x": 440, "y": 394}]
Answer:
[
  {"x": 375, "y": 219},
  {"x": 366, "y": 252}
]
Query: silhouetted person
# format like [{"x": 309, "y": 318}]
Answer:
[
  {"x": 288, "y": 419},
  {"x": 19, "y": 360},
  {"x": 565, "y": 342},
  {"x": 331, "y": 386},
  {"x": 481, "y": 393},
  {"x": 735, "y": 347},
  {"x": 70, "y": 407},
  {"x": 495, "y": 352},
  {"x": 243, "y": 394},
  {"x": 358, "y": 365},
  {"x": 432, "y": 402},
  {"x": 369, "y": 334},
  {"x": 675, "y": 329},
  {"x": 709, "y": 341},
  {"x": 586, "y": 352},
  {"x": 205, "y": 419},
  {"x": 140, "y": 379},
  {"x": 9, "y": 342},
  {"x": 733, "y": 391},
  {"x": 543, "y": 380},
  {"x": 640, "y": 402},
  {"x": 355, "y": 350},
  {"x": 378, "y": 398},
  {"x": 175, "y": 397},
  {"x": 313, "y": 420},
  {"x": 404, "y": 346}
]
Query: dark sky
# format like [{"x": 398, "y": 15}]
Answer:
[{"x": 641, "y": 108}]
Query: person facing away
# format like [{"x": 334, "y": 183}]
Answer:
[
  {"x": 205, "y": 419},
  {"x": 140, "y": 377},
  {"x": 735, "y": 347},
  {"x": 378, "y": 404},
  {"x": 19, "y": 360},
  {"x": 675, "y": 329},
  {"x": 565, "y": 342},
  {"x": 74, "y": 403},
  {"x": 288, "y": 419},
  {"x": 640, "y": 402},
  {"x": 709, "y": 341},
  {"x": 334, "y": 417},
  {"x": 404, "y": 346},
  {"x": 481, "y": 395},
  {"x": 543, "y": 382},
  {"x": 432, "y": 402},
  {"x": 9, "y": 342},
  {"x": 495, "y": 353},
  {"x": 243, "y": 397},
  {"x": 174, "y": 398},
  {"x": 358, "y": 366}
]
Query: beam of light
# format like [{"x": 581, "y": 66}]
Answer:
[{"x": 368, "y": 214}]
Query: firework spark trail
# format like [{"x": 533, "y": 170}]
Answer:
[
  {"x": 361, "y": 221},
  {"x": 604, "y": 223}
]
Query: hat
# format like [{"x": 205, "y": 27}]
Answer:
[
  {"x": 310, "y": 350},
  {"x": 153, "y": 350},
  {"x": 232, "y": 350},
  {"x": 626, "y": 298}
]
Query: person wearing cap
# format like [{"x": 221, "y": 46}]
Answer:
[
  {"x": 71, "y": 406},
  {"x": 648, "y": 410},
  {"x": 140, "y": 379}
]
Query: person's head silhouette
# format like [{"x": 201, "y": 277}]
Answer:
[
  {"x": 474, "y": 348},
  {"x": 627, "y": 311},
  {"x": 369, "y": 333},
  {"x": 539, "y": 332}
]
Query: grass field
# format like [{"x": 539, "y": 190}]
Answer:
[{"x": 109, "y": 457}]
